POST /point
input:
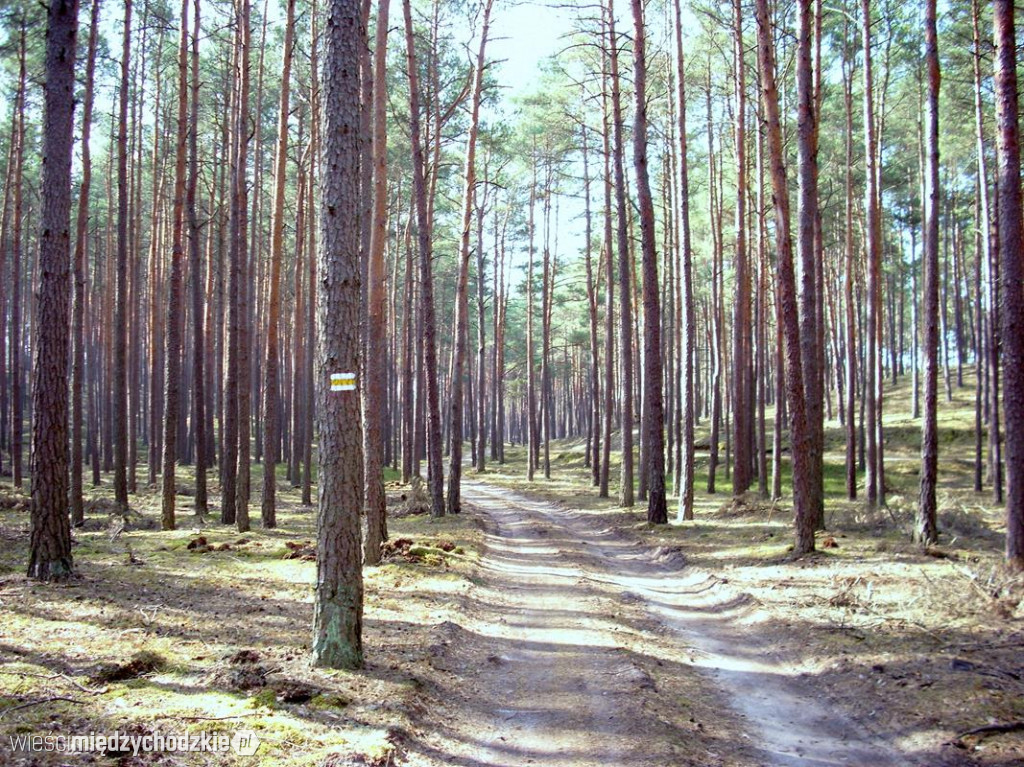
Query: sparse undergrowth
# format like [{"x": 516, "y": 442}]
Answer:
[
  {"x": 206, "y": 630},
  {"x": 925, "y": 645}
]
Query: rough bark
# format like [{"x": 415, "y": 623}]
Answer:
[
  {"x": 800, "y": 435},
  {"x": 50, "y": 545},
  {"x": 17, "y": 268},
  {"x": 376, "y": 369},
  {"x": 653, "y": 408},
  {"x": 455, "y": 433},
  {"x": 874, "y": 480},
  {"x": 622, "y": 242},
  {"x": 435, "y": 471},
  {"x": 271, "y": 382},
  {"x": 741, "y": 400},
  {"x": 688, "y": 331},
  {"x": 172, "y": 380},
  {"x": 199, "y": 374},
  {"x": 81, "y": 249},
  {"x": 594, "y": 426},
  {"x": 241, "y": 274},
  {"x": 808, "y": 253},
  {"x": 607, "y": 252},
  {"x": 1011, "y": 240},
  {"x": 120, "y": 329},
  {"x": 925, "y": 529},
  {"x": 338, "y": 602}
]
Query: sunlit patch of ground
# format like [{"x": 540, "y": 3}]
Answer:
[
  {"x": 922, "y": 646},
  {"x": 145, "y": 591}
]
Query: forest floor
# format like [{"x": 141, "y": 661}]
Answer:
[{"x": 542, "y": 626}]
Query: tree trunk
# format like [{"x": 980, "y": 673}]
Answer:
[
  {"x": 17, "y": 241},
  {"x": 242, "y": 275},
  {"x": 807, "y": 251},
  {"x": 653, "y": 413},
  {"x": 50, "y": 546},
  {"x": 80, "y": 268},
  {"x": 800, "y": 435},
  {"x": 593, "y": 457},
  {"x": 271, "y": 383},
  {"x": 435, "y": 472},
  {"x": 481, "y": 352},
  {"x": 925, "y": 530},
  {"x": 172, "y": 382},
  {"x": 454, "y": 500},
  {"x": 875, "y": 479},
  {"x": 688, "y": 331},
  {"x": 532, "y": 439},
  {"x": 741, "y": 402},
  {"x": 229, "y": 400},
  {"x": 625, "y": 305},
  {"x": 607, "y": 251},
  {"x": 338, "y": 604},
  {"x": 1011, "y": 239},
  {"x": 376, "y": 370},
  {"x": 120, "y": 329},
  {"x": 848, "y": 283},
  {"x": 199, "y": 375}
]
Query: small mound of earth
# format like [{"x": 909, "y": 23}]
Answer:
[
  {"x": 304, "y": 550},
  {"x": 201, "y": 545},
  {"x": 290, "y": 691},
  {"x": 430, "y": 552},
  {"x": 741, "y": 507},
  {"x": 413, "y": 500},
  {"x": 103, "y": 506},
  {"x": 669, "y": 556},
  {"x": 446, "y": 635},
  {"x": 142, "y": 663},
  {"x": 242, "y": 672},
  {"x": 14, "y": 500}
]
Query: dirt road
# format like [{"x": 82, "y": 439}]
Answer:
[{"x": 578, "y": 647}]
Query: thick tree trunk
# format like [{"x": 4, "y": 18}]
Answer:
[
  {"x": 1011, "y": 239},
  {"x": 338, "y": 603},
  {"x": 50, "y": 545}
]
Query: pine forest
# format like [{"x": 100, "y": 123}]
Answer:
[{"x": 493, "y": 383}]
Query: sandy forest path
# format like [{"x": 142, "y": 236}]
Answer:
[{"x": 579, "y": 647}]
